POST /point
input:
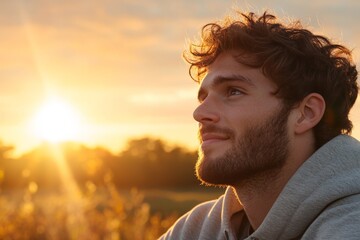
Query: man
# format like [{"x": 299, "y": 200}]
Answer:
[{"x": 274, "y": 128}]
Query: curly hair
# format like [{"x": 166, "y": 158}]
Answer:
[{"x": 298, "y": 61}]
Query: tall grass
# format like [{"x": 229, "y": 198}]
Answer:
[{"x": 97, "y": 214}]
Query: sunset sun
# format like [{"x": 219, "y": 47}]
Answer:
[{"x": 56, "y": 121}]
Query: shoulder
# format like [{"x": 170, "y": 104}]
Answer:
[
  {"x": 200, "y": 218},
  {"x": 209, "y": 220},
  {"x": 340, "y": 220}
]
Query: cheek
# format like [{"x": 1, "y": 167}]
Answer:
[
  {"x": 249, "y": 113},
  {"x": 240, "y": 125}
]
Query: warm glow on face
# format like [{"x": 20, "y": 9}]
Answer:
[{"x": 56, "y": 121}]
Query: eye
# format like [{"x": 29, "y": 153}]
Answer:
[{"x": 234, "y": 91}]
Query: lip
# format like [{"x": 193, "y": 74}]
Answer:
[{"x": 208, "y": 138}]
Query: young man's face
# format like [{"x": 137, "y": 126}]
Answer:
[{"x": 242, "y": 125}]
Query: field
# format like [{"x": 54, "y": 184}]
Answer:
[
  {"x": 178, "y": 201},
  {"x": 71, "y": 191},
  {"x": 106, "y": 213}
]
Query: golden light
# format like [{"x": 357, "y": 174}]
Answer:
[{"x": 56, "y": 121}]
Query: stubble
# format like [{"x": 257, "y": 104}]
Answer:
[{"x": 259, "y": 153}]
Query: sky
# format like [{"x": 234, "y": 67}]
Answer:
[{"x": 117, "y": 63}]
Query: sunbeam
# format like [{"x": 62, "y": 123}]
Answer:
[{"x": 77, "y": 225}]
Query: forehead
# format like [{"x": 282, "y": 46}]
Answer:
[{"x": 227, "y": 67}]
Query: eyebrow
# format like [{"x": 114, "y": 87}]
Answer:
[{"x": 218, "y": 80}]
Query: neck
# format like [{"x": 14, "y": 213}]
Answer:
[{"x": 258, "y": 194}]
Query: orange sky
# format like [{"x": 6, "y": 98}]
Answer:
[{"x": 118, "y": 63}]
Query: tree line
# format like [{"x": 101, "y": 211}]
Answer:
[{"x": 145, "y": 163}]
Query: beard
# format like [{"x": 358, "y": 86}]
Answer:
[{"x": 259, "y": 153}]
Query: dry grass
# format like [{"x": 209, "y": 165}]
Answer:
[{"x": 95, "y": 214}]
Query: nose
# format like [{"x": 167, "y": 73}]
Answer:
[{"x": 206, "y": 113}]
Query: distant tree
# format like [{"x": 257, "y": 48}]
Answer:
[
  {"x": 145, "y": 163},
  {"x": 87, "y": 164},
  {"x": 5, "y": 151},
  {"x": 6, "y": 164},
  {"x": 149, "y": 162},
  {"x": 40, "y": 166}
]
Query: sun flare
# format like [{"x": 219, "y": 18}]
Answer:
[{"x": 56, "y": 121}]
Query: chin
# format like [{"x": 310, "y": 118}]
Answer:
[
  {"x": 211, "y": 179},
  {"x": 206, "y": 170},
  {"x": 212, "y": 151}
]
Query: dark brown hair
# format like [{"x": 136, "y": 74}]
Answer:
[{"x": 298, "y": 61}]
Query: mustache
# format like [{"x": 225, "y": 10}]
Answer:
[{"x": 211, "y": 128}]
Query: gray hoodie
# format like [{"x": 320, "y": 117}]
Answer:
[{"x": 321, "y": 201}]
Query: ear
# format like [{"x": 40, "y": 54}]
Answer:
[{"x": 310, "y": 111}]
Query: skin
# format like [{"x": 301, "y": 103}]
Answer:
[
  {"x": 235, "y": 98},
  {"x": 261, "y": 142}
]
